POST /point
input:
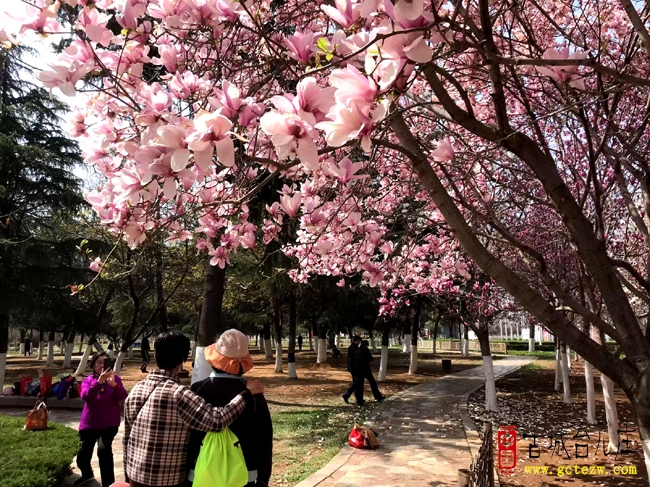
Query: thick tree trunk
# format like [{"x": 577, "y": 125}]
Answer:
[
  {"x": 558, "y": 366},
  {"x": 292, "y": 336},
  {"x": 321, "y": 347},
  {"x": 160, "y": 293},
  {"x": 81, "y": 342},
  {"x": 50, "y": 349},
  {"x": 268, "y": 347},
  {"x": 466, "y": 343},
  {"x": 415, "y": 329},
  {"x": 4, "y": 346},
  {"x": 531, "y": 338},
  {"x": 311, "y": 338},
  {"x": 568, "y": 356},
  {"x": 69, "y": 348},
  {"x": 589, "y": 382},
  {"x": 41, "y": 344},
  {"x": 406, "y": 343},
  {"x": 383, "y": 364},
  {"x": 435, "y": 332},
  {"x": 488, "y": 368},
  {"x": 130, "y": 352},
  {"x": 277, "y": 321},
  {"x": 210, "y": 322},
  {"x": 84, "y": 358},
  {"x": 119, "y": 361},
  {"x": 565, "y": 374},
  {"x": 610, "y": 411},
  {"x": 261, "y": 342}
]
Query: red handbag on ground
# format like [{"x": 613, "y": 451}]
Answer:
[
  {"x": 37, "y": 417},
  {"x": 356, "y": 438}
]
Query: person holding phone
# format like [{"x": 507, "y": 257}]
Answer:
[{"x": 102, "y": 393}]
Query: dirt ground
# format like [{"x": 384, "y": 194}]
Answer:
[
  {"x": 305, "y": 411},
  {"x": 527, "y": 399}
]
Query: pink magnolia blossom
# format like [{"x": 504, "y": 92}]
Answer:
[
  {"x": 444, "y": 151},
  {"x": 291, "y": 204},
  {"x": 65, "y": 77},
  {"x": 344, "y": 171},
  {"x": 96, "y": 265},
  {"x": 37, "y": 15},
  {"x": 291, "y": 134},
  {"x": 211, "y": 131},
  {"x": 301, "y": 45},
  {"x": 564, "y": 74}
]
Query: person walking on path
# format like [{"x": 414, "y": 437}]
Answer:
[
  {"x": 300, "y": 342},
  {"x": 160, "y": 411},
  {"x": 361, "y": 359},
  {"x": 230, "y": 359},
  {"x": 28, "y": 346},
  {"x": 356, "y": 340},
  {"x": 102, "y": 393},
  {"x": 145, "y": 350}
]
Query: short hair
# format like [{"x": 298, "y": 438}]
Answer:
[
  {"x": 96, "y": 357},
  {"x": 365, "y": 343},
  {"x": 356, "y": 338},
  {"x": 171, "y": 349}
]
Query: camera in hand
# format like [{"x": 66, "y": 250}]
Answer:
[{"x": 109, "y": 363}]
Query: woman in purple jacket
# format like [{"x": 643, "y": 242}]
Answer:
[{"x": 102, "y": 393}]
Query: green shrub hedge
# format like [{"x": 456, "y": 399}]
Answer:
[{"x": 35, "y": 458}]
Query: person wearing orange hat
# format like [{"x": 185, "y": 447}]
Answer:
[{"x": 230, "y": 360}]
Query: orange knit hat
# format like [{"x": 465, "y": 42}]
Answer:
[{"x": 230, "y": 352}]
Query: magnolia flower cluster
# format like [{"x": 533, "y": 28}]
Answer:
[{"x": 183, "y": 121}]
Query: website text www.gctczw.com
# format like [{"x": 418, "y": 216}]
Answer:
[{"x": 577, "y": 470}]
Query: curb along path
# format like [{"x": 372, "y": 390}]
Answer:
[{"x": 421, "y": 435}]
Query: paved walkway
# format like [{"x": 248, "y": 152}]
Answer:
[{"x": 421, "y": 436}]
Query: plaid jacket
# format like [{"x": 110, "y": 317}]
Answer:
[{"x": 158, "y": 416}]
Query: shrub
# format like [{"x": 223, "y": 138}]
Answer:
[{"x": 35, "y": 458}]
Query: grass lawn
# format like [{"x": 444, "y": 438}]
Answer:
[{"x": 35, "y": 458}]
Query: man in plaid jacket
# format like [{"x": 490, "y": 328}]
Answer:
[{"x": 159, "y": 413}]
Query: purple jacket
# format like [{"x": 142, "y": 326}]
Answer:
[{"x": 101, "y": 403}]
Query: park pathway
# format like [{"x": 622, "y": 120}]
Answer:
[{"x": 421, "y": 436}]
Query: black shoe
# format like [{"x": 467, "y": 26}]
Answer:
[
  {"x": 345, "y": 398},
  {"x": 362, "y": 403},
  {"x": 82, "y": 480},
  {"x": 381, "y": 399},
  {"x": 144, "y": 371}
]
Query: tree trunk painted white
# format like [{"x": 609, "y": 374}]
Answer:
[
  {"x": 22, "y": 349},
  {"x": 434, "y": 346},
  {"x": 558, "y": 370},
  {"x": 466, "y": 348},
  {"x": 3, "y": 369},
  {"x": 490, "y": 385},
  {"x": 413, "y": 365},
  {"x": 292, "y": 371},
  {"x": 383, "y": 364},
  {"x": 322, "y": 351},
  {"x": 268, "y": 349},
  {"x": 202, "y": 369},
  {"x": 531, "y": 344},
  {"x": 81, "y": 346},
  {"x": 50, "y": 353},
  {"x": 40, "y": 349},
  {"x": 610, "y": 412},
  {"x": 645, "y": 444},
  {"x": 84, "y": 360},
  {"x": 119, "y": 361},
  {"x": 311, "y": 342},
  {"x": 131, "y": 352},
  {"x": 261, "y": 344},
  {"x": 568, "y": 356},
  {"x": 565, "y": 377},
  {"x": 406, "y": 344},
  {"x": 591, "y": 398},
  {"x": 278, "y": 356},
  {"x": 373, "y": 344},
  {"x": 67, "y": 360}
]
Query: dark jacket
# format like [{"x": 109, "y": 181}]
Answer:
[
  {"x": 253, "y": 428},
  {"x": 351, "y": 349},
  {"x": 361, "y": 359}
]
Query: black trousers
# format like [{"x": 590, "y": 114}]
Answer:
[
  {"x": 145, "y": 359},
  {"x": 104, "y": 453},
  {"x": 358, "y": 383},
  {"x": 356, "y": 388}
]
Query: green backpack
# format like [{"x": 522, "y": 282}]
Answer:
[{"x": 221, "y": 462}]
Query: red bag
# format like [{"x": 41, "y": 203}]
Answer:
[
  {"x": 356, "y": 439},
  {"x": 24, "y": 380},
  {"x": 46, "y": 382}
]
